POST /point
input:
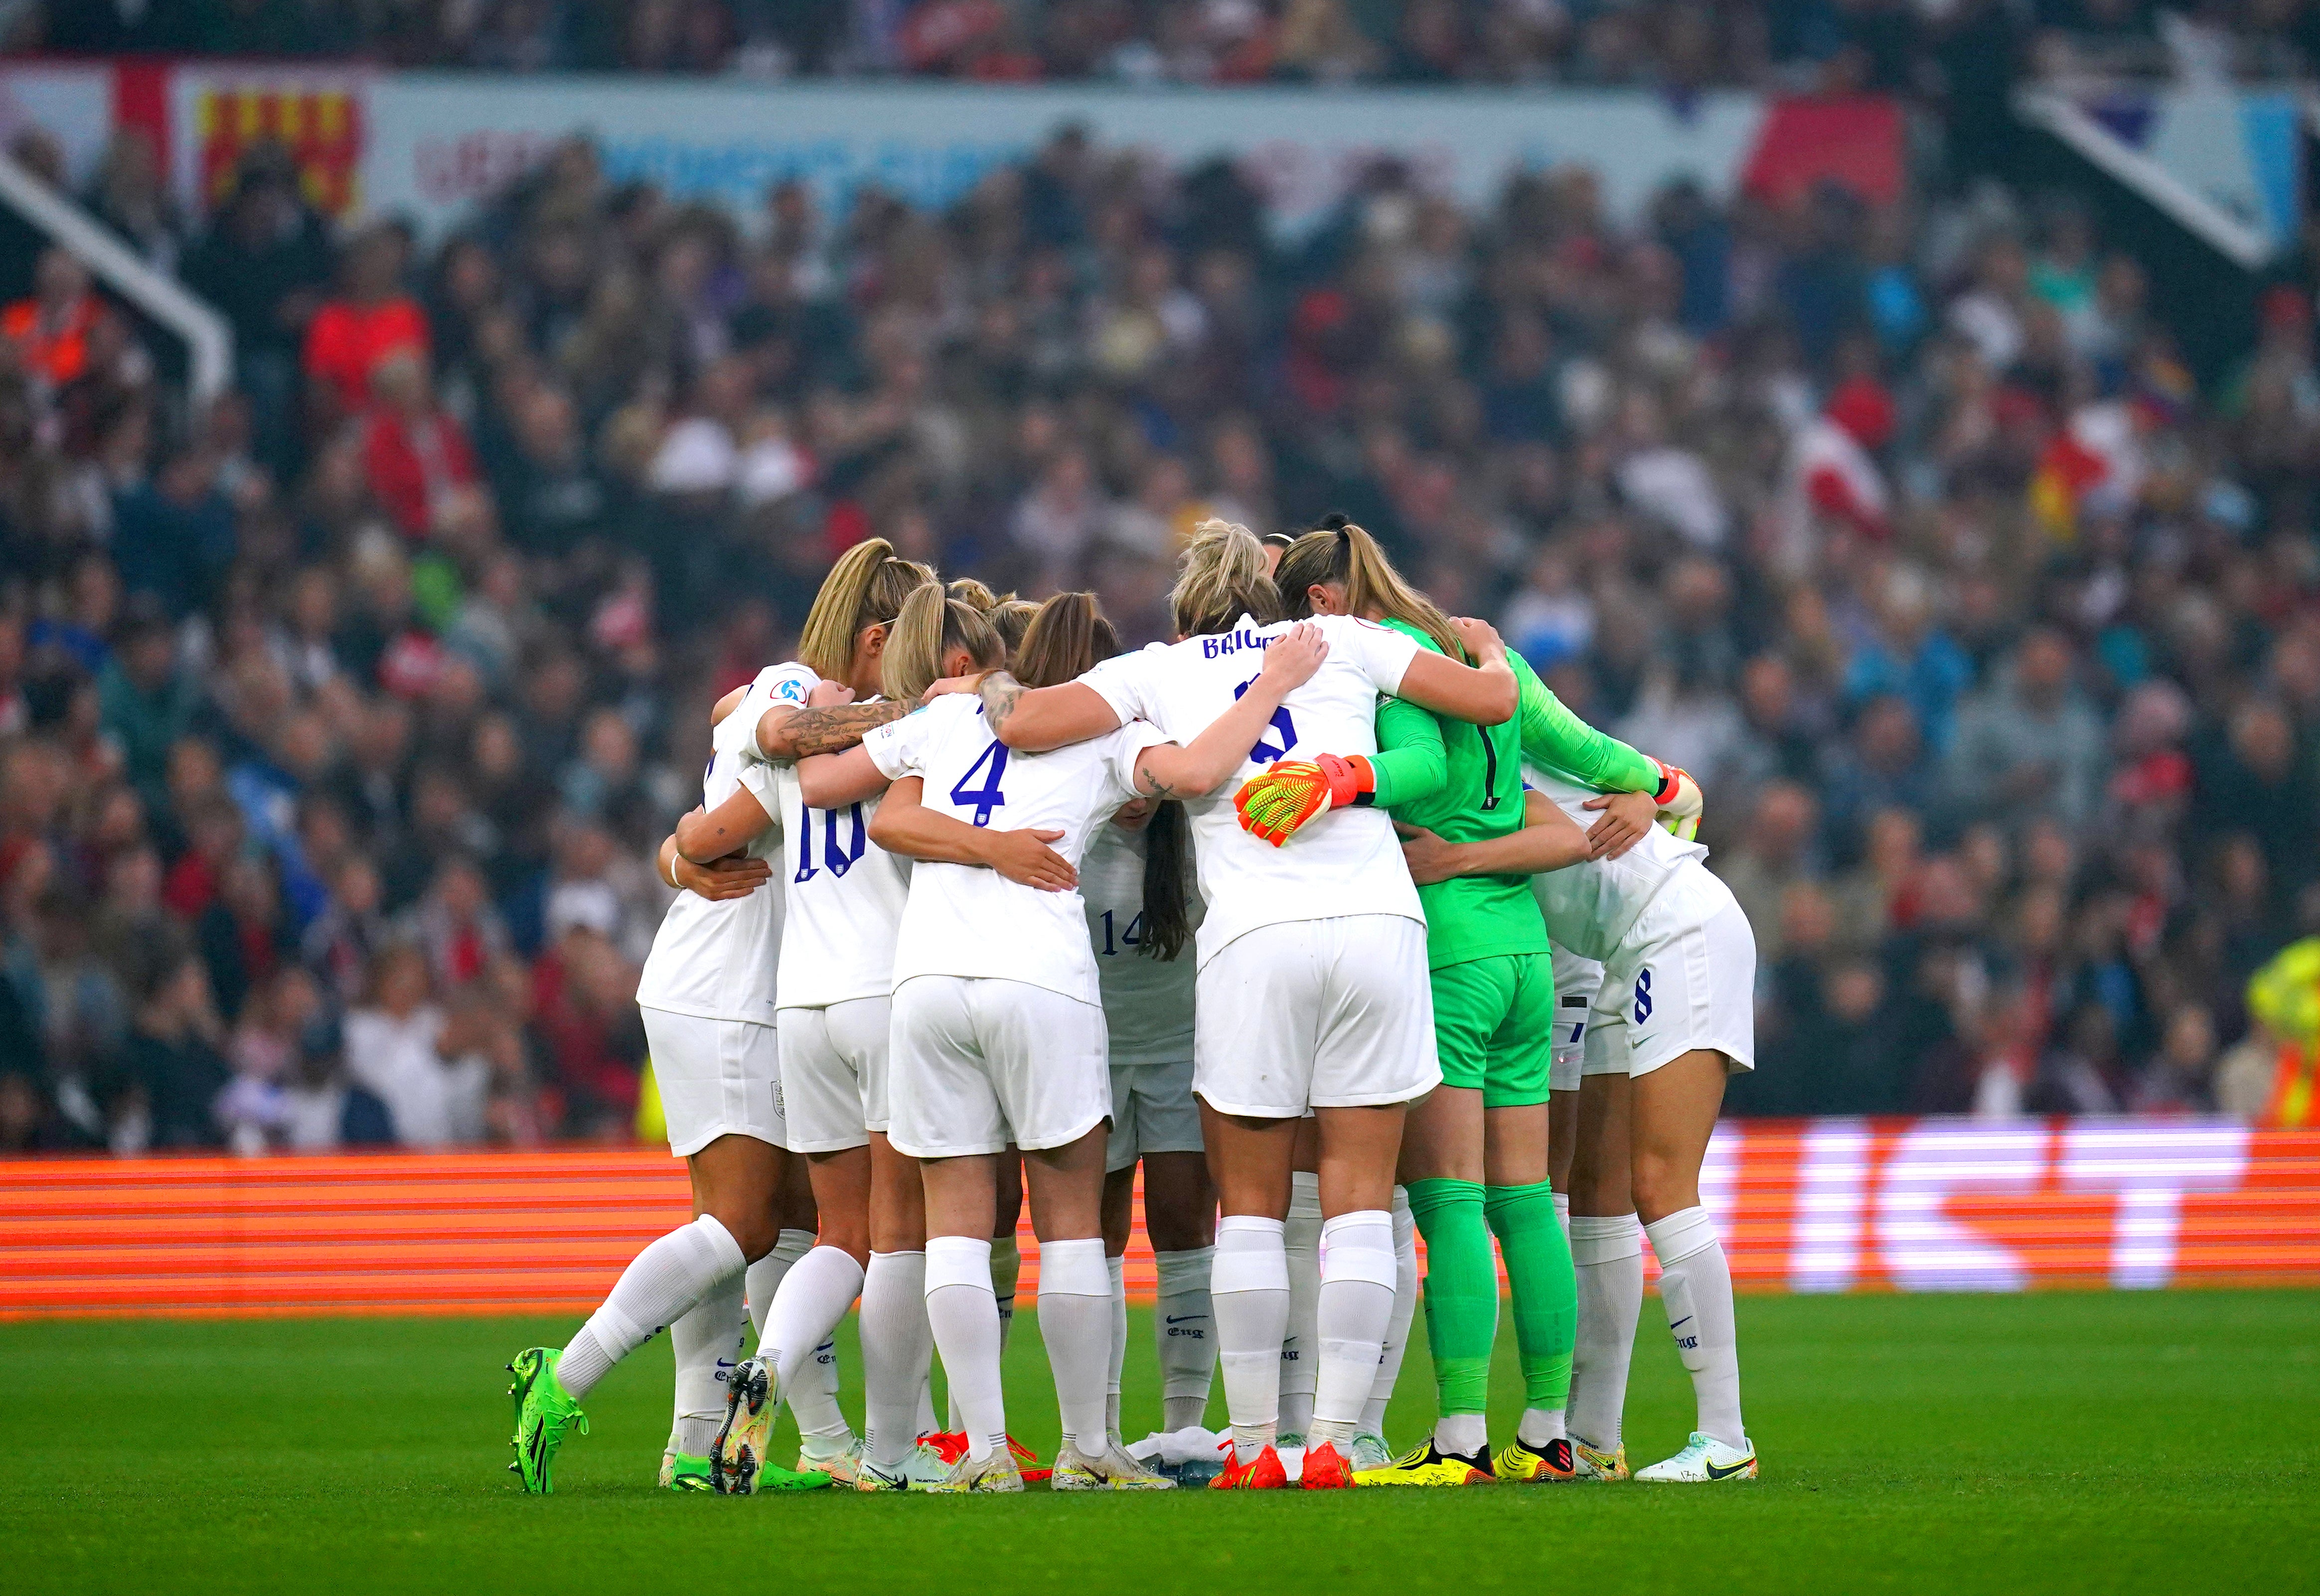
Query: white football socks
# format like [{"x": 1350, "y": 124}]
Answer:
[
  {"x": 1076, "y": 1322},
  {"x": 660, "y": 1286},
  {"x": 1119, "y": 1342},
  {"x": 1006, "y": 1272},
  {"x": 897, "y": 1345},
  {"x": 1354, "y": 1306},
  {"x": 1301, "y": 1239},
  {"x": 1462, "y": 1435},
  {"x": 706, "y": 1341},
  {"x": 1606, "y": 1255},
  {"x": 765, "y": 1275},
  {"x": 1249, "y": 1294},
  {"x": 1183, "y": 1322},
  {"x": 964, "y": 1313},
  {"x": 815, "y": 1296},
  {"x": 1562, "y": 1213},
  {"x": 1405, "y": 1309},
  {"x": 1539, "y": 1425},
  {"x": 1695, "y": 1287}
]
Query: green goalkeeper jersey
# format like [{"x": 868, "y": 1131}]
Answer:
[{"x": 1465, "y": 783}]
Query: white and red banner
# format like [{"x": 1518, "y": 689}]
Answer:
[
  {"x": 428, "y": 145},
  {"x": 1827, "y": 1205}
]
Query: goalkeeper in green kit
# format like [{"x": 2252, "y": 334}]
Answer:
[{"x": 1474, "y": 1154}]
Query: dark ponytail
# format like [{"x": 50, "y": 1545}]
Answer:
[
  {"x": 1167, "y": 862},
  {"x": 1337, "y": 553},
  {"x": 1069, "y": 636}
]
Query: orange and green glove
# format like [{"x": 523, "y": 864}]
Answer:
[
  {"x": 1681, "y": 802},
  {"x": 1274, "y": 805}
]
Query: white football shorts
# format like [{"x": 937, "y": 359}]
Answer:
[
  {"x": 1576, "y": 982},
  {"x": 1316, "y": 1013},
  {"x": 834, "y": 1072},
  {"x": 715, "y": 1077},
  {"x": 1683, "y": 979},
  {"x": 981, "y": 1062},
  {"x": 1152, "y": 1111}
]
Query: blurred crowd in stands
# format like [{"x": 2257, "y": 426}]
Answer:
[
  {"x": 1912, "y": 46},
  {"x": 340, "y": 716}
]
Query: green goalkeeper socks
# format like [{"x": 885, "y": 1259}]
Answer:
[
  {"x": 1461, "y": 1291},
  {"x": 1545, "y": 1290}
]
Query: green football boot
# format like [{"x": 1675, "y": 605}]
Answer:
[
  {"x": 680, "y": 1473},
  {"x": 544, "y": 1413}
]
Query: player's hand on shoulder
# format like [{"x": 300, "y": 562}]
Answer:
[
  {"x": 736, "y": 876},
  {"x": 1292, "y": 658},
  {"x": 828, "y": 695},
  {"x": 1025, "y": 857},
  {"x": 1481, "y": 637}
]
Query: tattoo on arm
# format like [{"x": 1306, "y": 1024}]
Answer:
[
  {"x": 838, "y": 727},
  {"x": 1151, "y": 785},
  {"x": 1000, "y": 693}
]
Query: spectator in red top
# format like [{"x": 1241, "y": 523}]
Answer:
[
  {"x": 358, "y": 328},
  {"x": 50, "y": 328},
  {"x": 586, "y": 994},
  {"x": 213, "y": 844},
  {"x": 414, "y": 455}
]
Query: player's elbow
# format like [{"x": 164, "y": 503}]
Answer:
[
  {"x": 1498, "y": 698},
  {"x": 888, "y": 826},
  {"x": 816, "y": 789},
  {"x": 693, "y": 833}
]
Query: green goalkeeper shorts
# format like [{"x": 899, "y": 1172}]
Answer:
[{"x": 1494, "y": 1026}]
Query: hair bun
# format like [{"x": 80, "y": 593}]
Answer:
[{"x": 1336, "y": 521}]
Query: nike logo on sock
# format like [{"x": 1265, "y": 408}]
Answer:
[
  {"x": 1182, "y": 1319},
  {"x": 1674, "y": 1324}
]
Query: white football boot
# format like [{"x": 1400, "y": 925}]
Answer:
[{"x": 1703, "y": 1461}]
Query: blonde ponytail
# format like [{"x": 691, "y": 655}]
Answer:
[
  {"x": 1222, "y": 578},
  {"x": 1345, "y": 556},
  {"x": 928, "y": 627},
  {"x": 1011, "y": 618},
  {"x": 967, "y": 591},
  {"x": 866, "y": 587}
]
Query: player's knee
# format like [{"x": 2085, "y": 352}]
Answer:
[
  {"x": 756, "y": 1234},
  {"x": 1663, "y": 1185}
]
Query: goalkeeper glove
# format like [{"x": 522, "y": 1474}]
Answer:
[
  {"x": 1288, "y": 793},
  {"x": 1679, "y": 800}
]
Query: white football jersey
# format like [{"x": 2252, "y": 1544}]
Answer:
[
  {"x": 966, "y": 919},
  {"x": 1147, "y": 1001},
  {"x": 846, "y": 897},
  {"x": 716, "y": 960},
  {"x": 1590, "y": 906},
  {"x": 1347, "y": 861}
]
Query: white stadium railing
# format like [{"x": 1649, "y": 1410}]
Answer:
[{"x": 205, "y": 333}]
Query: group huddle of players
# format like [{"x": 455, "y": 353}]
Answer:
[{"x": 1329, "y": 917}]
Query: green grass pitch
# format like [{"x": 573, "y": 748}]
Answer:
[{"x": 2062, "y": 1442}]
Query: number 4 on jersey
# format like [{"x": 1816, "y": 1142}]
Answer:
[{"x": 987, "y": 797}]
